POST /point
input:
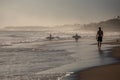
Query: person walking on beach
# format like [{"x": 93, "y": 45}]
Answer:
[{"x": 99, "y": 37}]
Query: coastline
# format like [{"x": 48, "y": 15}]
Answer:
[{"x": 106, "y": 72}]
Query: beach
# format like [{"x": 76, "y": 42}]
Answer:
[
  {"x": 107, "y": 72},
  {"x": 29, "y": 56}
]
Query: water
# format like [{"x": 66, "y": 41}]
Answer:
[{"x": 28, "y": 56}]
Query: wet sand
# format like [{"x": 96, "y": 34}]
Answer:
[{"x": 108, "y": 72}]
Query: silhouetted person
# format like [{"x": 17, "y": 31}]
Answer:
[
  {"x": 50, "y": 37},
  {"x": 99, "y": 37},
  {"x": 76, "y": 37},
  {"x": 118, "y": 17}
]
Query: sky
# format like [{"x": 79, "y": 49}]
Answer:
[{"x": 56, "y": 12}]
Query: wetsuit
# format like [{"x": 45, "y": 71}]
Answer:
[{"x": 100, "y": 35}]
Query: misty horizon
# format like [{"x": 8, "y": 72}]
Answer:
[
  {"x": 56, "y": 12},
  {"x": 58, "y": 25}
]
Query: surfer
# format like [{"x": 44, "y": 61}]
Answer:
[
  {"x": 50, "y": 37},
  {"x": 99, "y": 37},
  {"x": 76, "y": 37}
]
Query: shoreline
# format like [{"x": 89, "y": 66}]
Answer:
[{"x": 104, "y": 72}]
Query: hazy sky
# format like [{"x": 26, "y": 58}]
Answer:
[{"x": 56, "y": 12}]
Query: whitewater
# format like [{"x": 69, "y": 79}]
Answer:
[{"x": 27, "y": 55}]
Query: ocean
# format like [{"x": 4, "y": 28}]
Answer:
[{"x": 28, "y": 55}]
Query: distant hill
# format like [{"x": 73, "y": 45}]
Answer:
[{"x": 111, "y": 25}]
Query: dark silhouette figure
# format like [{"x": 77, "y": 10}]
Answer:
[
  {"x": 76, "y": 37},
  {"x": 99, "y": 37},
  {"x": 118, "y": 17},
  {"x": 50, "y": 37}
]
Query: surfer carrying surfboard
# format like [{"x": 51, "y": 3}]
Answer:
[
  {"x": 50, "y": 37},
  {"x": 76, "y": 37}
]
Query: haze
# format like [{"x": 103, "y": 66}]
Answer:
[{"x": 56, "y": 12}]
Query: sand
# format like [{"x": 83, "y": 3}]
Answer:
[{"x": 108, "y": 72}]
